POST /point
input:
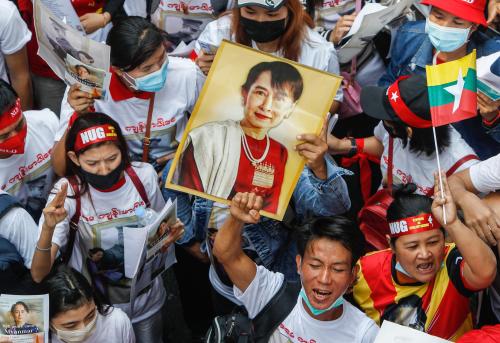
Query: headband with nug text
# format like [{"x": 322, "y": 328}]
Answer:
[
  {"x": 95, "y": 134},
  {"x": 416, "y": 224},
  {"x": 402, "y": 110},
  {"x": 12, "y": 115}
]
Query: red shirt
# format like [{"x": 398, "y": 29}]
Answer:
[
  {"x": 87, "y": 6},
  {"x": 275, "y": 161}
]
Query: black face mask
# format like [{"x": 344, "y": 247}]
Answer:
[
  {"x": 104, "y": 182},
  {"x": 263, "y": 31}
]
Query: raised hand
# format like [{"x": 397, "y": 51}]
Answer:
[
  {"x": 245, "y": 207},
  {"x": 313, "y": 150},
  {"x": 79, "y": 100},
  {"x": 55, "y": 212},
  {"x": 176, "y": 232},
  {"x": 204, "y": 61},
  {"x": 446, "y": 201},
  {"x": 343, "y": 26},
  {"x": 91, "y": 22}
]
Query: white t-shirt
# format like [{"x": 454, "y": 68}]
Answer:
[
  {"x": 29, "y": 176},
  {"x": 316, "y": 51},
  {"x": 178, "y": 96},
  {"x": 101, "y": 226},
  {"x": 419, "y": 169},
  {"x": 20, "y": 229},
  {"x": 114, "y": 326},
  {"x": 353, "y": 326},
  {"x": 14, "y": 34},
  {"x": 485, "y": 176}
]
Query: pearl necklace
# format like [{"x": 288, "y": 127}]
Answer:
[{"x": 248, "y": 152}]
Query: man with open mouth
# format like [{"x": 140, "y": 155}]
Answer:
[{"x": 328, "y": 248}]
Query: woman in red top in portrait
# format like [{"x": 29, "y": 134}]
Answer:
[{"x": 223, "y": 158}]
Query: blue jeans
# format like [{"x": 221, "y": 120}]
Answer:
[
  {"x": 184, "y": 209},
  {"x": 149, "y": 330}
]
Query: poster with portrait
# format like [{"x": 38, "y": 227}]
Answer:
[
  {"x": 24, "y": 318},
  {"x": 243, "y": 129},
  {"x": 74, "y": 57},
  {"x": 146, "y": 257}
]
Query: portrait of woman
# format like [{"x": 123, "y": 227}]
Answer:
[
  {"x": 20, "y": 313},
  {"x": 225, "y": 157}
]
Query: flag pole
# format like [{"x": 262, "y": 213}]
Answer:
[{"x": 439, "y": 171}]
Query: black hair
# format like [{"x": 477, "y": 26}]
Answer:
[
  {"x": 282, "y": 75},
  {"x": 22, "y": 303},
  {"x": 337, "y": 228},
  {"x": 422, "y": 140},
  {"x": 407, "y": 204},
  {"x": 133, "y": 40},
  {"x": 95, "y": 250},
  {"x": 83, "y": 122},
  {"x": 8, "y": 96},
  {"x": 69, "y": 290}
]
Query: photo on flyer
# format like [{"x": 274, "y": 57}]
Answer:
[
  {"x": 243, "y": 129},
  {"x": 145, "y": 251},
  {"x": 90, "y": 79},
  {"x": 24, "y": 318}
]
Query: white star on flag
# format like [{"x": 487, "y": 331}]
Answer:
[
  {"x": 394, "y": 96},
  {"x": 456, "y": 90}
]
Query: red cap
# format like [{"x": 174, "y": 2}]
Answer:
[{"x": 470, "y": 10}]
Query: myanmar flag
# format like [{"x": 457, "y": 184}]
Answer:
[{"x": 452, "y": 90}]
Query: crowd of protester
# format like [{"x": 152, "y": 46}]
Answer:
[{"x": 321, "y": 274}]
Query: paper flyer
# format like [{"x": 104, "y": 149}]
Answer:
[
  {"x": 72, "y": 56},
  {"x": 24, "y": 318}
]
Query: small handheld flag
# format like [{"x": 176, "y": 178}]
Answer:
[{"x": 452, "y": 90}]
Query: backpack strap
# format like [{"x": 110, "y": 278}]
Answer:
[
  {"x": 7, "y": 202},
  {"x": 459, "y": 163},
  {"x": 73, "y": 224},
  {"x": 390, "y": 164},
  {"x": 138, "y": 184},
  {"x": 275, "y": 311},
  {"x": 147, "y": 135}
]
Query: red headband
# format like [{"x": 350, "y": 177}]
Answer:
[
  {"x": 416, "y": 224},
  {"x": 402, "y": 111},
  {"x": 12, "y": 115},
  {"x": 95, "y": 134}
]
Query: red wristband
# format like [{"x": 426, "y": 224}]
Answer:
[
  {"x": 360, "y": 144},
  {"x": 491, "y": 122}
]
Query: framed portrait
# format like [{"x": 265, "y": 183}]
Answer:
[{"x": 243, "y": 129}]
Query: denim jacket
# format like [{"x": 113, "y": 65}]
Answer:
[
  {"x": 269, "y": 243},
  {"x": 412, "y": 50}
]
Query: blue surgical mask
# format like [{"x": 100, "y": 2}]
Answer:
[
  {"x": 153, "y": 82},
  {"x": 446, "y": 39},
  {"x": 400, "y": 269},
  {"x": 314, "y": 310}
]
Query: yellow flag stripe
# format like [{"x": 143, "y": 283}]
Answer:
[
  {"x": 448, "y": 72},
  {"x": 362, "y": 296}
]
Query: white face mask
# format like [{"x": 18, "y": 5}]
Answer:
[{"x": 77, "y": 336}]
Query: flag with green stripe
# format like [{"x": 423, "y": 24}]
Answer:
[{"x": 452, "y": 90}]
